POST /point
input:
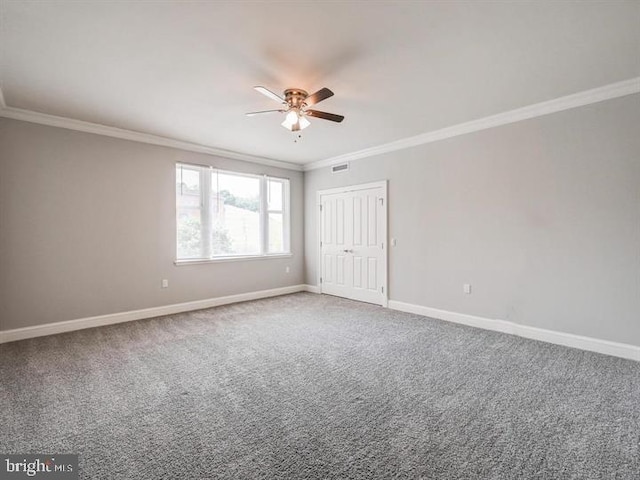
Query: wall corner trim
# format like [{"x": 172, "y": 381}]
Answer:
[
  {"x": 113, "y": 318},
  {"x": 631, "y": 352},
  {"x": 586, "y": 97}
]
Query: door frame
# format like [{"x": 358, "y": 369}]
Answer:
[{"x": 385, "y": 243}]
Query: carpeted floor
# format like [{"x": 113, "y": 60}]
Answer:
[{"x": 314, "y": 387}]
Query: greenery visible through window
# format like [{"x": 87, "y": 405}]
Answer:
[{"x": 225, "y": 214}]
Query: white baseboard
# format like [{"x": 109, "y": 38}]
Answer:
[
  {"x": 607, "y": 347},
  {"x": 623, "y": 350},
  {"x": 98, "y": 321},
  {"x": 312, "y": 289}
]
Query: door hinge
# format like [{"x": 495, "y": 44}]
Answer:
[
  {"x": 320, "y": 207},
  {"x": 320, "y": 279},
  {"x": 381, "y": 201},
  {"x": 382, "y": 246},
  {"x": 382, "y": 288},
  {"x": 320, "y": 243}
]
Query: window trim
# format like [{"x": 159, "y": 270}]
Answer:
[
  {"x": 284, "y": 211},
  {"x": 234, "y": 258},
  {"x": 264, "y": 218}
]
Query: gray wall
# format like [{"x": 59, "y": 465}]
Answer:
[
  {"x": 542, "y": 217},
  {"x": 87, "y": 227}
]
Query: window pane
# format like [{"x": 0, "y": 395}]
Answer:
[
  {"x": 276, "y": 233},
  {"x": 188, "y": 211},
  {"x": 235, "y": 202},
  {"x": 222, "y": 214},
  {"x": 274, "y": 200}
]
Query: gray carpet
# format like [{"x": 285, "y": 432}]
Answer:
[{"x": 312, "y": 387}]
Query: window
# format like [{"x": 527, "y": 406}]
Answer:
[{"x": 223, "y": 214}]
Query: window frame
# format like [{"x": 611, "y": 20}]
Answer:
[
  {"x": 284, "y": 211},
  {"x": 205, "y": 186}
]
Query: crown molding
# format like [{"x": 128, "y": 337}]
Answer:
[
  {"x": 88, "y": 127},
  {"x": 587, "y": 97}
]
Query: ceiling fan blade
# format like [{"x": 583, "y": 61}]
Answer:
[
  {"x": 319, "y": 96},
  {"x": 324, "y": 115},
  {"x": 251, "y": 114},
  {"x": 265, "y": 91}
]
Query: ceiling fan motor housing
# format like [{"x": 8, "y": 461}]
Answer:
[{"x": 295, "y": 97}]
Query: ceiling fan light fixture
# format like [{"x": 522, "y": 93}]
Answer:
[
  {"x": 304, "y": 123},
  {"x": 290, "y": 119},
  {"x": 294, "y": 121},
  {"x": 288, "y": 124}
]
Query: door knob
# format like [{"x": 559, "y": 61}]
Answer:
[{"x": 348, "y": 251}]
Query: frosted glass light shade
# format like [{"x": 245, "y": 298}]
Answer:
[{"x": 295, "y": 121}]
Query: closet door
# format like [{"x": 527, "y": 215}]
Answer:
[{"x": 353, "y": 256}]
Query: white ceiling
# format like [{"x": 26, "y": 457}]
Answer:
[{"x": 185, "y": 70}]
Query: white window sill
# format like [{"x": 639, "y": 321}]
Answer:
[{"x": 239, "y": 258}]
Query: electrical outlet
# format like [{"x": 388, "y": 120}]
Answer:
[
  {"x": 287, "y": 269},
  {"x": 467, "y": 288},
  {"x": 165, "y": 283}
]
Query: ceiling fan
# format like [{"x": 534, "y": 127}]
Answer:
[{"x": 295, "y": 103}]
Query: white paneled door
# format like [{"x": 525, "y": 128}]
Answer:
[{"x": 353, "y": 227}]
